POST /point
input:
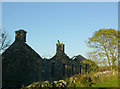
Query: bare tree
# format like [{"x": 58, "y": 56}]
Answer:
[{"x": 4, "y": 42}]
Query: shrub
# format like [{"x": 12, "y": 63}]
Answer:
[{"x": 92, "y": 66}]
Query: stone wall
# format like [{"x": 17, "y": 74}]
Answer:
[
  {"x": 20, "y": 65},
  {"x": 56, "y": 70},
  {"x": 46, "y": 70}
]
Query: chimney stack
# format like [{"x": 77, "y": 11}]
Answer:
[
  {"x": 60, "y": 47},
  {"x": 20, "y": 35}
]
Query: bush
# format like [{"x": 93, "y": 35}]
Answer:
[
  {"x": 80, "y": 81},
  {"x": 92, "y": 66}
]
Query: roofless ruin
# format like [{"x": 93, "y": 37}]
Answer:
[{"x": 22, "y": 65}]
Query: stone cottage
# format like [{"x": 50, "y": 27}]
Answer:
[{"x": 22, "y": 65}]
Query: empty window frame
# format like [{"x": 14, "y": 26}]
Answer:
[{"x": 53, "y": 70}]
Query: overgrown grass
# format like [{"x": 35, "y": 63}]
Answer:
[
  {"x": 81, "y": 81},
  {"x": 107, "y": 81}
]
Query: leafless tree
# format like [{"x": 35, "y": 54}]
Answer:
[{"x": 4, "y": 41}]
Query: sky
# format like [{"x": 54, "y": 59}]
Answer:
[{"x": 72, "y": 23}]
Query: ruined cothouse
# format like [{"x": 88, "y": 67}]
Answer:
[{"x": 21, "y": 65}]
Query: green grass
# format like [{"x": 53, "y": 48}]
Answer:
[{"x": 110, "y": 81}]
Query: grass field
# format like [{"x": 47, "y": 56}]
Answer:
[{"x": 109, "y": 81}]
